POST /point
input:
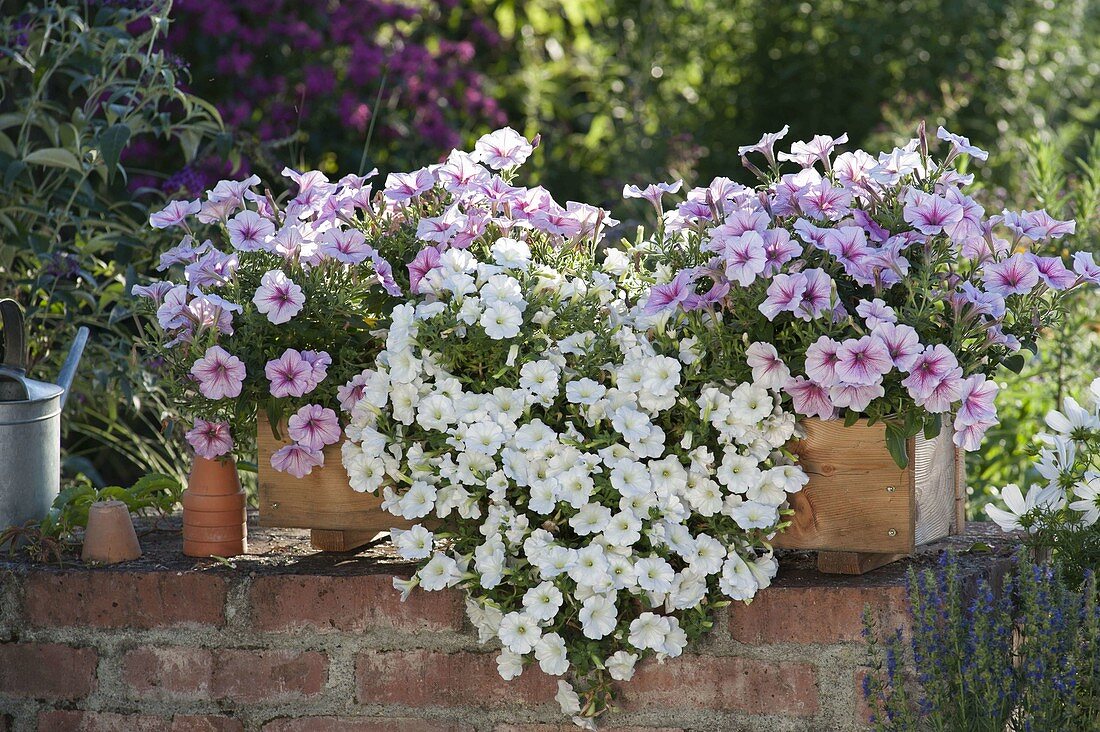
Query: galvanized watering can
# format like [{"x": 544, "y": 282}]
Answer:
[{"x": 30, "y": 425}]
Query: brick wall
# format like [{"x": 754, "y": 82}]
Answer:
[{"x": 294, "y": 650}]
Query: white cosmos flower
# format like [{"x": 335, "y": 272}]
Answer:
[
  {"x": 1073, "y": 417},
  {"x": 598, "y": 616},
  {"x": 415, "y": 543},
  {"x": 542, "y": 601},
  {"x": 1089, "y": 492},
  {"x": 551, "y": 655},
  {"x": 439, "y": 573},
  {"x": 501, "y": 320},
  {"x": 621, "y": 665},
  {"x": 1049, "y": 497},
  {"x": 519, "y": 632}
]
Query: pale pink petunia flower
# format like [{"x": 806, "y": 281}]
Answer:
[
  {"x": 350, "y": 393},
  {"x": 820, "y": 148},
  {"x": 977, "y": 401},
  {"x": 969, "y": 436},
  {"x": 784, "y": 294},
  {"x": 779, "y": 249},
  {"x": 318, "y": 361},
  {"x": 461, "y": 172},
  {"x": 671, "y": 295},
  {"x": 1016, "y": 275},
  {"x": 931, "y": 366},
  {"x": 346, "y": 245},
  {"x": 219, "y": 373},
  {"x": 943, "y": 394},
  {"x": 503, "y": 148},
  {"x": 314, "y": 427},
  {"x": 931, "y": 214},
  {"x": 403, "y": 186},
  {"x": 768, "y": 369},
  {"x": 297, "y": 460},
  {"x": 174, "y": 214},
  {"x": 652, "y": 192},
  {"x": 744, "y": 257},
  {"x": 210, "y": 439},
  {"x": 824, "y": 201},
  {"x": 1038, "y": 225},
  {"x": 250, "y": 232},
  {"x": 810, "y": 399},
  {"x": 155, "y": 291},
  {"x": 766, "y": 144},
  {"x": 960, "y": 144},
  {"x": 862, "y": 361},
  {"x": 1086, "y": 267},
  {"x": 290, "y": 375},
  {"x": 821, "y": 361},
  {"x": 818, "y": 295},
  {"x": 1053, "y": 272},
  {"x": 902, "y": 343},
  {"x": 855, "y": 397},
  {"x": 425, "y": 261},
  {"x": 278, "y": 297}
]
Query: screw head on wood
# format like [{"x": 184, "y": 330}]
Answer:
[
  {"x": 891, "y": 488},
  {"x": 892, "y": 532}
]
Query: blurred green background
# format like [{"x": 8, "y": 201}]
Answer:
[{"x": 621, "y": 92}]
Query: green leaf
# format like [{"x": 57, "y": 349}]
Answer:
[
  {"x": 896, "y": 443},
  {"x": 1014, "y": 363},
  {"x": 851, "y": 418},
  {"x": 15, "y": 169},
  {"x": 111, "y": 143},
  {"x": 932, "y": 427},
  {"x": 54, "y": 157}
]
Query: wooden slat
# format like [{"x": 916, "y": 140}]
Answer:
[
  {"x": 321, "y": 500},
  {"x": 329, "y": 540},
  {"x": 853, "y": 562},
  {"x": 846, "y": 505}
]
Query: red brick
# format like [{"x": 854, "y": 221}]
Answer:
[
  {"x": 724, "y": 683},
  {"x": 238, "y": 675},
  {"x": 354, "y": 604},
  {"x": 106, "y": 599},
  {"x": 78, "y": 721},
  {"x": 565, "y": 727},
  {"x": 815, "y": 614},
  {"x": 364, "y": 724},
  {"x": 47, "y": 670},
  {"x": 431, "y": 678}
]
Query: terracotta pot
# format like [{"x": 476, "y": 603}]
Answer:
[
  {"x": 214, "y": 510},
  {"x": 110, "y": 537}
]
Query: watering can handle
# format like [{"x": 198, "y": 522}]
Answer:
[{"x": 15, "y": 347}]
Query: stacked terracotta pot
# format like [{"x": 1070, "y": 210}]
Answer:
[{"x": 214, "y": 523}]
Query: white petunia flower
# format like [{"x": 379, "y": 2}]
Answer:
[
  {"x": 567, "y": 699},
  {"x": 598, "y": 617},
  {"x": 511, "y": 253},
  {"x": 501, "y": 320},
  {"x": 753, "y": 515},
  {"x": 621, "y": 665},
  {"x": 592, "y": 518},
  {"x": 654, "y": 574},
  {"x": 439, "y": 573},
  {"x": 648, "y": 631},
  {"x": 631, "y": 478},
  {"x": 584, "y": 391},
  {"x": 509, "y": 665},
  {"x": 542, "y": 601},
  {"x": 623, "y": 529},
  {"x": 519, "y": 632},
  {"x": 415, "y": 543},
  {"x": 551, "y": 655}
]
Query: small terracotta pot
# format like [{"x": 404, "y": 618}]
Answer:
[
  {"x": 110, "y": 537},
  {"x": 214, "y": 510}
]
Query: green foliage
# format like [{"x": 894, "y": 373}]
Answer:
[
  {"x": 1025, "y": 655},
  {"x": 630, "y": 91},
  {"x": 77, "y": 83},
  {"x": 154, "y": 491}
]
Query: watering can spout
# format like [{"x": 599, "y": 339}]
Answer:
[{"x": 68, "y": 369}]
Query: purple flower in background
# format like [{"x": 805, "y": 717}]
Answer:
[
  {"x": 425, "y": 261},
  {"x": 219, "y": 373},
  {"x": 744, "y": 257},
  {"x": 1053, "y": 272},
  {"x": 819, "y": 148},
  {"x": 766, "y": 145},
  {"x": 821, "y": 361},
  {"x": 931, "y": 366},
  {"x": 403, "y": 186},
  {"x": 297, "y": 460},
  {"x": 504, "y": 148},
  {"x": 785, "y": 293},
  {"x": 855, "y": 396},
  {"x": 210, "y": 439},
  {"x": 278, "y": 297},
  {"x": 862, "y": 361},
  {"x": 290, "y": 375},
  {"x": 652, "y": 192},
  {"x": 768, "y": 369},
  {"x": 901, "y": 343},
  {"x": 672, "y": 294},
  {"x": 250, "y": 232},
  {"x": 876, "y": 312},
  {"x": 1037, "y": 225},
  {"x": 174, "y": 214},
  {"x": 183, "y": 253},
  {"x": 960, "y": 144},
  {"x": 314, "y": 427},
  {"x": 1086, "y": 268},
  {"x": 977, "y": 401},
  {"x": 930, "y": 214},
  {"x": 810, "y": 399},
  {"x": 346, "y": 245},
  {"x": 1016, "y": 275},
  {"x": 155, "y": 291}
]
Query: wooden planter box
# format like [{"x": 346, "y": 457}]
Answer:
[{"x": 859, "y": 510}]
